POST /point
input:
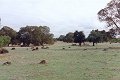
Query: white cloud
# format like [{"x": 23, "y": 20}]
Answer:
[{"x": 61, "y": 15}]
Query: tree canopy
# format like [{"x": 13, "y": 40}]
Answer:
[
  {"x": 79, "y": 37},
  {"x": 111, "y": 15},
  {"x": 97, "y": 36},
  {"x": 94, "y": 37},
  {"x": 37, "y": 35},
  {"x": 4, "y": 40},
  {"x": 69, "y": 37}
]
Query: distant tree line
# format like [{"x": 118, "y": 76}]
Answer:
[
  {"x": 40, "y": 35},
  {"x": 36, "y": 35},
  {"x": 95, "y": 36}
]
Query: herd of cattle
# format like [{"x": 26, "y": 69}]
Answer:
[{"x": 33, "y": 49}]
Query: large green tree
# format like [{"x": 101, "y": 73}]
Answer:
[
  {"x": 69, "y": 37},
  {"x": 37, "y": 35},
  {"x": 79, "y": 37},
  {"x": 111, "y": 15},
  {"x": 61, "y": 38},
  {"x": 7, "y": 31},
  {"x": 94, "y": 37},
  {"x": 4, "y": 40}
]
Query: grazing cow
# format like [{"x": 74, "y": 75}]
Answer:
[
  {"x": 33, "y": 49},
  {"x": 63, "y": 48},
  {"x": 84, "y": 49},
  {"x": 3, "y": 51},
  {"x": 13, "y": 49},
  {"x": 43, "y": 62},
  {"x": 104, "y": 49},
  {"x": 7, "y": 63},
  {"x": 37, "y": 48}
]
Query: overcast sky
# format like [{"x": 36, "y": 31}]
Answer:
[{"x": 62, "y": 16}]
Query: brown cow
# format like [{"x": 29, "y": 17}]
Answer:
[
  {"x": 7, "y": 63},
  {"x": 43, "y": 62}
]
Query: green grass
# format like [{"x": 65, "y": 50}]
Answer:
[{"x": 73, "y": 63}]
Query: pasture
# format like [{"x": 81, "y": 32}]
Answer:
[{"x": 101, "y": 62}]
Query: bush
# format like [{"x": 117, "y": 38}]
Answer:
[
  {"x": 4, "y": 40},
  {"x": 115, "y": 40}
]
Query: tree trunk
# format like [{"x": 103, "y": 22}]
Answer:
[
  {"x": 23, "y": 44},
  {"x": 114, "y": 23},
  {"x": 80, "y": 44},
  {"x": 93, "y": 43}
]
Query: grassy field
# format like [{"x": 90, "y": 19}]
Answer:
[{"x": 74, "y": 63}]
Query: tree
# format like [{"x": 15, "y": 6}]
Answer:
[
  {"x": 61, "y": 38},
  {"x": 4, "y": 40},
  {"x": 46, "y": 36},
  {"x": 79, "y": 37},
  {"x": 97, "y": 36},
  {"x": 25, "y": 38},
  {"x": 7, "y": 31},
  {"x": 104, "y": 36},
  {"x": 69, "y": 37},
  {"x": 111, "y": 15},
  {"x": 94, "y": 37},
  {"x": 112, "y": 33},
  {"x": 37, "y": 35}
]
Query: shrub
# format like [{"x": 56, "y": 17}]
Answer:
[
  {"x": 115, "y": 40},
  {"x": 4, "y": 40}
]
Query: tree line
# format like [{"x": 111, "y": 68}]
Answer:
[
  {"x": 36, "y": 35},
  {"x": 40, "y": 35},
  {"x": 95, "y": 36},
  {"x": 111, "y": 16}
]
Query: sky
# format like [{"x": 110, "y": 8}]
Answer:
[{"x": 62, "y": 16}]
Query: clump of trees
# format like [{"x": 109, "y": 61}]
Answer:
[
  {"x": 61, "y": 38},
  {"x": 76, "y": 37},
  {"x": 93, "y": 37},
  {"x": 69, "y": 37},
  {"x": 37, "y": 35},
  {"x": 97, "y": 36}
]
